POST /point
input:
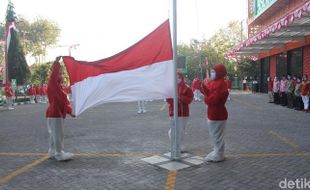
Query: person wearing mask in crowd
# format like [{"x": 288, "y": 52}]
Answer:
[
  {"x": 283, "y": 90},
  {"x": 185, "y": 97},
  {"x": 216, "y": 93},
  {"x": 37, "y": 97},
  {"x": 290, "y": 92},
  {"x": 58, "y": 108},
  {"x": 8, "y": 91},
  {"x": 32, "y": 94},
  {"x": 295, "y": 80},
  {"x": 305, "y": 88},
  {"x": 270, "y": 92},
  {"x": 298, "y": 104},
  {"x": 44, "y": 93},
  {"x": 276, "y": 90},
  {"x": 195, "y": 88}
]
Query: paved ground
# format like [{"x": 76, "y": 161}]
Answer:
[{"x": 265, "y": 144}]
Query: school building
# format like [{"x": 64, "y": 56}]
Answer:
[{"x": 278, "y": 38}]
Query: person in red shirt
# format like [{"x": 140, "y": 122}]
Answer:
[
  {"x": 305, "y": 90},
  {"x": 270, "y": 91},
  {"x": 216, "y": 93},
  {"x": 44, "y": 93},
  {"x": 195, "y": 88},
  {"x": 37, "y": 96},
  {"x": 185, "y": 96},
  {"x": 58, "y": 108},
  {"x": 9, "y": 95},
  {"x": 32, "y": 94}
]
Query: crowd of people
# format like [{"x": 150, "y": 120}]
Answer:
[
  {"x": 292, "y": 92},
  {"x": 35, "y": 93}
]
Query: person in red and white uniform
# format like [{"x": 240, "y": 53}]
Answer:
[
  {"x": 9, "y": 95},
  {"x": 37, "y": 95},
  {"x": 216, "y": 93},
  {"x": 195, "y": 88},
  {"x": 32, "y": 94},
  {"x": 305, "y": 92},
  {"x": 185, "y": 97},
  {"x": 44, "y": 93},
  {"x": 58, "y": 108},
  {"x": 270, "y": 87}
]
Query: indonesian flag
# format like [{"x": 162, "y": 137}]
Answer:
[
  {"x": 144, "y": 71},
  {"x": 11, "y": 25}
]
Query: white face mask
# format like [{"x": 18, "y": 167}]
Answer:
[
  {"x": 213, "y": 75},
  {"x": 179, "y": 80}
]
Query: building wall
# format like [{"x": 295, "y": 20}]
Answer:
[
  {"x": 272, "y": 66},
  {"x": 273, "y": 13},
  {"x": 306, "y": 61}
]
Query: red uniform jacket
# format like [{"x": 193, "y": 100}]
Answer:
[
  {"x": 216, "y": 94},
  {"x": 31, "y": 91},
  {"x": 305, "y": 88},
  {"x": 37, "y": 89},
  {"x": 8, "y": 90},
  {"x": 185, "y": 95},
  {"x": 43, "y": 90},
  {"x": 195, "y": 84},
  {"x": 59, "y": 104}
]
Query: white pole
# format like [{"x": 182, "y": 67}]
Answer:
[{"x": 175, "y": 140}]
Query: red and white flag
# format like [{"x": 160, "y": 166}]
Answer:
[{"x": 141, "y": 72}]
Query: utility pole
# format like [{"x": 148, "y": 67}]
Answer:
[
  {"x": 70, "y": 47},
  {"x": 241, "y": 33}
]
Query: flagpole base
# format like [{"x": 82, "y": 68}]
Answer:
[{"x": 186, "y": 160}]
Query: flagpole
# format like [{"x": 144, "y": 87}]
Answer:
[
  {"x": 175, "y": 140},
  {"x": 5, "y": 69}
]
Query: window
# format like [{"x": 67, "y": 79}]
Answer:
[
  {"x": 295, "y": 59},
  {"x": 281, "y": 64},
  {"x": 265, "y": 70}
]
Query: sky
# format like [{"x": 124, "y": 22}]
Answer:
[{"x": 103, "y": 28}]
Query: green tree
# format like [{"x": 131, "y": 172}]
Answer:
[
  {"x": 38, "y": 36},
  {"x": 2, "y": 36},
  {"x": 214, "y": 49},
  {"x": 17, "y": 65},
  {"x": 41, "y": 72}
]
